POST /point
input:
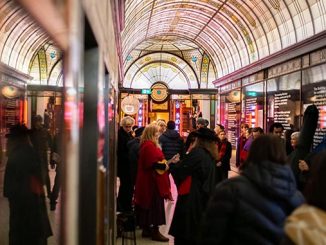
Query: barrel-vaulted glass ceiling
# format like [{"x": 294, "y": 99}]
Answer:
[
  {"x": 212, "y": 37},
  {"x": 189, "y": 66},
  {"x": 233, "y": 33},
  {"x": 25, "y": 47}
]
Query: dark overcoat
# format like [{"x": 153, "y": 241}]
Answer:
[
  {"x": 200, "y": 165},
  {"x": 23, "y": 186}
]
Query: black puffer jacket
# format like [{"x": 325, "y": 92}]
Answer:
[
  {"x": 251, "y": 208},
  {"x": 171, "y": 143}
]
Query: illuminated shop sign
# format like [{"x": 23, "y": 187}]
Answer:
[
  {"x": 177, "y": 116},
  {"x": 146, "y": 91},
  {"x": 140, "y": 115}
]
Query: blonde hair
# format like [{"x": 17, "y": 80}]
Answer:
[
  {"x": 161, "y": 123},
  {"x": 127, "y": 120},
  {"x": 149, "y": 133}
]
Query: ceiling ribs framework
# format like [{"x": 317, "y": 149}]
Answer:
[{"x": 233, "y": 33}]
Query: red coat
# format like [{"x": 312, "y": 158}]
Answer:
[{"x": 148, "y": 180}]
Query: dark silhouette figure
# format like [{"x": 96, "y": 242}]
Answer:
[
  {"x": 303, "y": 148},
  {"x": 40, "y": 138},
  {"x": 23, "y": 186},
  {"x": 56, "y": 162}
]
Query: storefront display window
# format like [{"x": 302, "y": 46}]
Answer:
[
  {"x": 283, "y": 100},
  {"x": 314, "y": 92},
  {"x": 253, "y": 105},
  {"x": 230, "y": 114}
]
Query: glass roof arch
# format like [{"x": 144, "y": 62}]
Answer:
[
  {"x": 182, "y": 37},
  {"x": 175, "y": 48},
  {"x": 160, "y": 67},
  {"x": 257, "y": 28}
]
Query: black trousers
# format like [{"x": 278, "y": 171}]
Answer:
[
  {"x": 125, "y": 195},
  {"x": 57, "y": 185}
]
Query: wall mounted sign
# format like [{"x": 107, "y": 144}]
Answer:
[
  {"x": 159, "y": 92},
  {"x": 140, "y": 115},
  {"x": 10, "y": 92},
  {"x": 177, "y": 116},
  {"x": 130, "y": 105}
]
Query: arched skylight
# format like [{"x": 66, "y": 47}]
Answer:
[
  {"x": 233, "y": 33},
  {"x": 177, "y": 51},
  {"x": 160, "y": 67}
]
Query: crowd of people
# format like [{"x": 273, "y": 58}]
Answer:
[
  {"x": 280, "y": 181},
  {"x": 277, "y": 198}
]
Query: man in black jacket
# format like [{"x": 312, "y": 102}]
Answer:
[
  {"x": 126, "y": 188},
  {"x": 170, "y": 141}
]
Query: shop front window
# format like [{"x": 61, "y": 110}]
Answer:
[
  {"x": 314, "y": 92},
  {"x": 283, "y": 101}
]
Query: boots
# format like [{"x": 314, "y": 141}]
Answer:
[{"x": 157, "y": 236}]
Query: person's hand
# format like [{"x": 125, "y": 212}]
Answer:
[
  {"x": 175, "y": 158},
  {"x": 219, "y": 164},
  {"x": 303, "y": 166}
]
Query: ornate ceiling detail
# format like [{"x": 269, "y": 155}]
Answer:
[{"x": 233, "y": 33}]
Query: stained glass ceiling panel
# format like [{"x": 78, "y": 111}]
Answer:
[
  {"x": 234, "y": 33},
  {"x": 160, "y": 67}
]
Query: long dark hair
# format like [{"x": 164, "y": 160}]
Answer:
[
  {"x": 316, "y": 186},
  {"x": 208, "y": 145},
  {"x": 267, "y": 148},
  {"x": 190, "y": 139}
]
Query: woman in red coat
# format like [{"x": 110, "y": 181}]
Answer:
[{"x": 152, "y": 184}]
